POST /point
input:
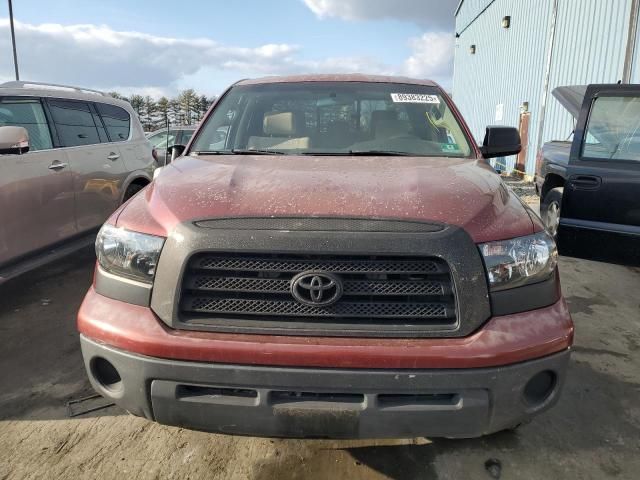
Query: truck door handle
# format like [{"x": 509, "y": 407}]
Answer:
[
  {"x": 57, "y": 165},
  {"x": 113, "y": 156},
  {"x": 585, "y": 182}
]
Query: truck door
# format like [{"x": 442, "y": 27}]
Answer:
[{"x": 600, "y": 213}]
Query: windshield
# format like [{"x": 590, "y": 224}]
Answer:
[{"x": 333, "y": 118}]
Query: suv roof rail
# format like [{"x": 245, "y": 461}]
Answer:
[{"x": 53, "y": 86}]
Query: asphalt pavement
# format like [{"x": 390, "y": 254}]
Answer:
[{"x": 593, "y": 433}]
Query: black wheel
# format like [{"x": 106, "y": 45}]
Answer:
[
  {"x": 132, "y": 190},
  {"x": 550, "y": 210}
]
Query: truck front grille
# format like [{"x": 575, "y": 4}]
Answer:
[{"x": 379, "y": 295}]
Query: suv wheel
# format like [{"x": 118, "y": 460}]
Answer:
[
  {"x": 550, "y": 210},
  {"x": 132, "y": 190}
]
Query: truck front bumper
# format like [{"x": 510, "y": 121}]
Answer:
[{"x": 280, "y": 401}]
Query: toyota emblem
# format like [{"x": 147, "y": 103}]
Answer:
[{"x": 317, "y": 289}]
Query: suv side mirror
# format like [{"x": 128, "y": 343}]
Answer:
[
  {"x": 500, "y": 142},
  {"x": 14, "y": 140}
]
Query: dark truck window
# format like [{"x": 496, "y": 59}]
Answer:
[
  {"x": 613, "y": 131},
  {"x": 27, "y": 113},
  {"x": 334, "y": 118},
  {"x": 74, "y": 122},
  {"x": 117, "y": 121}
]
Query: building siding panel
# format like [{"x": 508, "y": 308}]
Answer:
[
  {"x": 469, "y": 10},
  {"x": 591, "y": 41},
  {"x": 507, "y": 69},
  {"x": 509, "y": 65}
]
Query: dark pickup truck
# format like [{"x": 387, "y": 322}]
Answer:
[{"x": 589, "y": 186}]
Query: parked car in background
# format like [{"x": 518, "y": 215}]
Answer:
[
  {"x": 343, "y": 262},
  {"x": 162, "y": 140},
  {"x": 68, "y": 158},
  {"x": 589, "y": 187}
]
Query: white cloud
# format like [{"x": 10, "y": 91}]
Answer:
[
  {"x": 432, "y": 56},
  {"x": 96, "y": 56},
  {"x": 436, "y": 15},
  {"x": 431, "y": 53}
]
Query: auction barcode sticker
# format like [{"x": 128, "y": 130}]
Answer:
[{"x": 414, "y": 98}]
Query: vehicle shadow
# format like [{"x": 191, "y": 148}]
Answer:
[
  {"x": 593, "y": 413},
  {"x": 42, "y": 366}
]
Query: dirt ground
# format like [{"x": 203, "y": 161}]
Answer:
[{"x": 593, "y": 433}]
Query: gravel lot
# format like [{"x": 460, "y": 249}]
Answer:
[{"x": 594, "y": 432}]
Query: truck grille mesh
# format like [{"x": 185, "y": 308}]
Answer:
[{"x": 253, "y": 291}]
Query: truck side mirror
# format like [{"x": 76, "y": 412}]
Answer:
[
  {"x": 13, "y": 140},
  {"x": 500, "y": 142},
  {"x": 176, "y": 151}
]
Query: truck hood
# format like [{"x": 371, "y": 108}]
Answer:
[{"x": 462, "y": 192}]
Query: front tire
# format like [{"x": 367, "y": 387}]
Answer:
[
  {"x": 132, "y": 190},
  {"x": 550, "y": 210}
]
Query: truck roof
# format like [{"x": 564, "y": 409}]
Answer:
[{"x": 343, "y": 77}]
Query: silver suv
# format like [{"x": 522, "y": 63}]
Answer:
[{"x": 68, "y": 158}]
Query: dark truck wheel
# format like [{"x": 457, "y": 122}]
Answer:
[
  {"x": 132, "y": 190},
  {"x": 550, "y": 210}
]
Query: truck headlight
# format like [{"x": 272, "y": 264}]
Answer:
[
  {"x": 128, "y": 254},
  {"x": 519, "y": 261}
]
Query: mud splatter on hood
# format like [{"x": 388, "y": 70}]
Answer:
[{"x": 463, "y": 192}]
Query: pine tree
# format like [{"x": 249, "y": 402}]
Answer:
[
  {"x": 163, "y": 111},
  {"x": 149, "y": 109},
  {"x": 117, "y": 96},
  {"x": 137, "y": 102},
  {"x": 204, "y": 105},
  {"x": 186, "y": 108},
  {"x": 176, "y": 117},
  {"x": 188, "y": 100}
]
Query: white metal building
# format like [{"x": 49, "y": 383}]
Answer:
[{"x": 510, "y": 55}]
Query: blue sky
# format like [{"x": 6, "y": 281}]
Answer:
[{"x": 159, "y": 47}]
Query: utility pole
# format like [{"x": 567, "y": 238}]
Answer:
[{"x": 13, "y": 41}]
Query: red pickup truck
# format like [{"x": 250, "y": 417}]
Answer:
[{"x": 330, "y": 256}]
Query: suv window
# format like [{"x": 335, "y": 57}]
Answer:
[
  {"x": 117, "y": 121},
  {"x": 27, "y": 113},
  {"x": 74, "y": 123},
  {"x": 613, "y": 131},
  {"x": 159, "y": 140}
]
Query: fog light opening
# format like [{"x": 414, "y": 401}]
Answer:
[
  {"x": 539, "y": 388},
  {"x": 106, "y": 374}
]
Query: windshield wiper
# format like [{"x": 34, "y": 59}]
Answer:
[
  {"x": 211, "y": 152},
  {"x": 325, "y": 154},
  {"x": 357, "y": 153},
  {"x": 241, "y": 151},
  {"x": 380, "y": 153}
]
